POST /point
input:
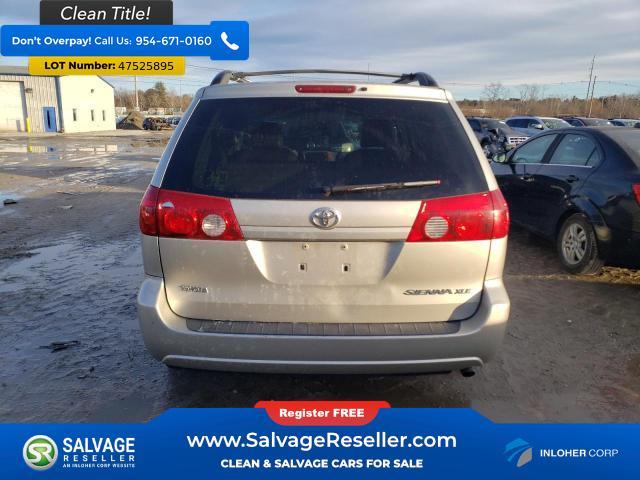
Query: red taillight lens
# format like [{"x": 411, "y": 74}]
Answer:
[
  {"x": 636, "y": 191},
  {"x": 500, "y": 214},
  {"x": 479, "y": 216},
  {"x": 325, "y": 88},
  {"x": 188, "y": 215},
  {"x": 147, "y": 217}
]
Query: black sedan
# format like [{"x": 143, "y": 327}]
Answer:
[
  {"x": 579, "y": 187},
  {"x": 586, "y": 121}
]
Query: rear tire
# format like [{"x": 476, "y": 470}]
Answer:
[{"x": 577, "y": 246}]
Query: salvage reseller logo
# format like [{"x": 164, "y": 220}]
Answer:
[
  {"x": 99, "y": 452},
  {"x": 40, "y": 452}
]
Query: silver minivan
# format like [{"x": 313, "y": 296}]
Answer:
[{"x": 336, "y": 227}]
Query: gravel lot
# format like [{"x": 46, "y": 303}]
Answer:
[{"x": 70, "y": 267}]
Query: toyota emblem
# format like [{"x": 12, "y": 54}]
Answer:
[{"x": 325, "y": 218}]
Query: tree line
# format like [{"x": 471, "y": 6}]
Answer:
[
  {"x": 494, "y": 102},
  {"x": 531, "y": 100},
  {"x": 158, "y": 96}
]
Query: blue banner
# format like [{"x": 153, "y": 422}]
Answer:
[
  {"x": 220, "y": 40},
  {"x": 248, "y": 443}
]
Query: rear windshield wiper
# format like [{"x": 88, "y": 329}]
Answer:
[{"x": 368, "y": 187}]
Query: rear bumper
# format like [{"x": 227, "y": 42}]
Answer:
[
  {"x": 169, "y": 339},
  {"x": 625, "y": 249}
]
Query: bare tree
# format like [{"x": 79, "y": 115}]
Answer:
[
  {"x": 495, "y": 91},
  {"x": 530, "y": 92},
  {"x": 529, "y": 95}
]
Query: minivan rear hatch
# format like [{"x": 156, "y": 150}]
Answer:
[{"x": 305, "y": 246}]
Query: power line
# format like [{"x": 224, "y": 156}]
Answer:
[{"x": 197, "y": 83}]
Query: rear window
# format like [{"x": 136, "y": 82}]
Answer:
[
  {"x": 493, "y": 124},
  {"x": 555, "y": 123},
  {"x": 597, "y": 122},
  {"x": 290, "y": 148}
]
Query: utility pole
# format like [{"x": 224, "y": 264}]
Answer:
[
  {"x": 135, "y": 87},
  {"x": 593, "y": 61},
  {"x": 593, "y": 87}
]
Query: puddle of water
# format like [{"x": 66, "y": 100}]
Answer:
[
  {"x": 20, "y": 274},
  {"x": 9, "y": 195},
  {"x": 70, "y": 261},
  {"x": 28, "y": 148},
  {"x": 9, "y": 148},
  {"x": 66, "y": 147}
]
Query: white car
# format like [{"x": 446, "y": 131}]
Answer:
[{"x": 531, "y": 126}]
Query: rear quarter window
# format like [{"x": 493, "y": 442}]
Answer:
[
  {"x": 290, "y": 148},
  {"x": 629, "y": 140}
]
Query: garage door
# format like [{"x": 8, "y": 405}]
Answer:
[{"x": 12, "y": 111}]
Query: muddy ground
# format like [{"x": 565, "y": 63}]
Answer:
[{"x": 70, "y": 267}]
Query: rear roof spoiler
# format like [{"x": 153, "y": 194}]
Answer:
[{"x": 423, "y": 79}]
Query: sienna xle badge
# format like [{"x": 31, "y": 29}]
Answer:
[{"x": 323, "y": 227}]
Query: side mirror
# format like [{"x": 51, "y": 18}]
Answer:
[
  {"x": 499, "y": 158},
  {"x": 537, "y": 126}
]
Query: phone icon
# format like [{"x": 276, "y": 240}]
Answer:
[{"x": 225, "y": 39}]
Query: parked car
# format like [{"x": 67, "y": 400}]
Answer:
[
  {"x": 586, "y": 121},
  {"x": 147, "y": 123},
  {"x": 155, "y": 123},
  {"x": 173, "y": 121},
  {"x": 625, "y": 122},
  {"x": 579, "y": 187},
  {"x": 274, "y": 248},
  {"x": 532, "y": 126},
  {"x": 495, "y": 136}
]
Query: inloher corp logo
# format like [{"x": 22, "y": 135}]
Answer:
[
  {"x": 40, "y": 452},
  {"x": 519, "y": 451}
]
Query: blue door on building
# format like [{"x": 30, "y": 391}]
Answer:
[{"x": 49, "y": 119}]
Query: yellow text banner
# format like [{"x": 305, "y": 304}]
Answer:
[{"x": 106, "y": 65}]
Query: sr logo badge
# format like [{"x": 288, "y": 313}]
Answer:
[
  {"x": 325, "y": 218},
  {"x": 40, "y": 452}
]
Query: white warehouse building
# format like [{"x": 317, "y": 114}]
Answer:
[{"x": 29, "y": 103}]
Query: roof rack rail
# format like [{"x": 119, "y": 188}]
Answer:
[{"x": 423, "y": 79}]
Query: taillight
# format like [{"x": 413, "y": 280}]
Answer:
[
  {"x": 147, "y": 216},
  {"x": 479, "y": 216},
  {"x": 500, "y": 214},
  {"x": 325, "y": 88},
  {"x": 636, "y": 191},
  {"x": 188, "y": 215}
]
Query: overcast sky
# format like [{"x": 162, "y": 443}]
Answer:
[{"x": 463, "y": 44}]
